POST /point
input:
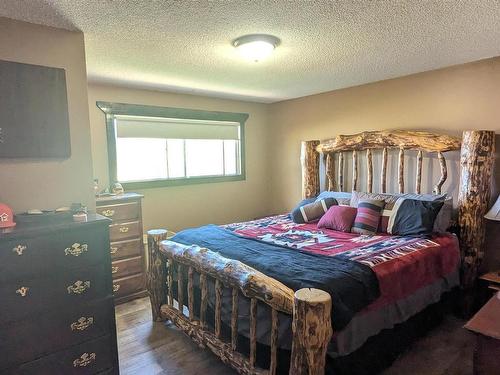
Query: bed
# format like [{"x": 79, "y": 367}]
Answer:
[{"x": 264, "y": 295}]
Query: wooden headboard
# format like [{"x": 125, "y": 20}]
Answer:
[
  {"x": 334, "y": 154},
  {"x": 476, "y": 165}
]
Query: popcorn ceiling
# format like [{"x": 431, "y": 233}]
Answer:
[{"x": 185, "y": 46}]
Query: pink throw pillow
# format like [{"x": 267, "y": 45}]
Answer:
[{"x": 338, "y": 218}]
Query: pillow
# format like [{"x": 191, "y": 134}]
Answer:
[
  {"x": 443, "y": 218},
  {"x": 343, "y": 198},
  {"x": 312, "y": 211},
  {"x": 368, "y": 216},
  {"x": 413, "y": 217},
  {"x": 334, "y": 194},
  {"x": 338, "y": 218},
  {"x": 441, "y": 223},
  {"x": 303, "y": 202}
]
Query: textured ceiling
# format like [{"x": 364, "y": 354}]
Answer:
[{"x": 185, "y": 45}]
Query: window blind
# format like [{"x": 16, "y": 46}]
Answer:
[{"x": 171, "y": 128}]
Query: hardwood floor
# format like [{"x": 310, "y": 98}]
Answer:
[{"x": 148, "y": 348}]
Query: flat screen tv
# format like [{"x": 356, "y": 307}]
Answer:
[{"x": 33, "y": 112}]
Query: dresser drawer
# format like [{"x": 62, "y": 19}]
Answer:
[
  {"x": 123, "y": 211},
  {"x": 47, "y": 253},
  {"x": 90, "y": 357},
  {"x": 124, "y": 230},
  {"x": 54, "y": 331},
  {"x": 128, "y": 285},
  {"x": 22, "y": 297},
  {"x": 126, "y": 267},
  {"x": 127, "y": 248}
]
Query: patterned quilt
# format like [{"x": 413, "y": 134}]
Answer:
[{"x": 401, "y": 264}]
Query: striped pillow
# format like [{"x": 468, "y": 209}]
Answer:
[
  {"x": 312, "y": 211},
  {"x": 368, "y": 216}
]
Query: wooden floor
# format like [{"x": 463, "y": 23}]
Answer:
[{"x": 148, "y": 348}]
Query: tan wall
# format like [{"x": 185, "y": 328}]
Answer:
[
  {"x": 192, "y": 205},
  {"x": 42, "y": 183},
  {"x": 448, "y": 100}
]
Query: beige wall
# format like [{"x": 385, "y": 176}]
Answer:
[
  {"x": 49, "y": 184},
  {"x": 192, "y": 205},
  {"x": 448, "y": 100}
]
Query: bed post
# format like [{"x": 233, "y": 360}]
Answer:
[
  {"x": 309, "y": 159},
  {"x": 156, "y": 273},
  {"x": 312, "y": 331},
  {"x": 476, "y": 162}
]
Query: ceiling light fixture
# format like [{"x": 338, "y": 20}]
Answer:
[{"x": 256, "y": 47}]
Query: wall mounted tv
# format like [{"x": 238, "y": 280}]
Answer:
[{"x": 33, "y": 112}]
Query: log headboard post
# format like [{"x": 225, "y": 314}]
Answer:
[
  {"x": 476, "y": 163},
  {"x": 309, "y": 159}
]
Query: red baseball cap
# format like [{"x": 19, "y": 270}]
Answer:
[{"x": 6, "y": 216}]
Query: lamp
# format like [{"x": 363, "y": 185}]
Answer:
[
  {"x": 494, "y": 212},
  {"x": 256, "y": 47}
]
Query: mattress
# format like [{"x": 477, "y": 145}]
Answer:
[{"x": 412, "y": 273}]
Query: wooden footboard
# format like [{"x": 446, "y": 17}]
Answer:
[{"x": 310, "y": 308}]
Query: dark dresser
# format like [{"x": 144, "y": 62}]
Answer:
[
  {"x": 56, "y": 304},
  {"x": 127, "y": 250}
]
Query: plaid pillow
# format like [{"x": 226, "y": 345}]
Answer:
[{"x": 368, "y": 216}]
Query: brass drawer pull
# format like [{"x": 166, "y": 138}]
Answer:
[
  {"x": 114, "y": 269},
  {"x": 84, "y": 360},
  {"x": 113, "y": 250},
  {"x": 82, "y": 324},
  {"x": 23, "y": 291},
  {"x": 79, "y": 287},
  {"x": 108, "y": 213},
  {"x": 76, "y": 249},
  {"x": 123, "y": 229},
  {"x": 116, "y": 287},
  {"x": 19, "y": 249}
]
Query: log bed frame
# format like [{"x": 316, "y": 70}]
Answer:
[{"x": 310, "y": 308}]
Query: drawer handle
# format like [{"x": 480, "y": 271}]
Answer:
[
  {"x": 108, "y": 213},
  {"x": 113, "y": 250},
  {"x": 82, "y": 324},
  {"x": 123, "y": 229},
  {"x": 116, "y": 287},
  {"x": 84, "y": 360},
  {"x": 78, "y": 287},
  {"x": 19, "y": 249},
  {"x": 23, "y": 291},
  {"x": 114, "y": 269},
  {"x": 76, "y": 249}
]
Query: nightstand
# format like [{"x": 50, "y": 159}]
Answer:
[
  {"x": 486, "y": 325},
  {"x": 492, "y": 279}
]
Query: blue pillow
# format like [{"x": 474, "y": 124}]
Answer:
[
  {"x": 334, "y": 194},
  {"x": 412, "y": 217}
]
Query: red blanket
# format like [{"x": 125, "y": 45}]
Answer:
[{"x": 402, "y": 264}]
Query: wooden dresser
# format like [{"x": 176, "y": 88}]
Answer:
[
  {"x": 127, "y": 250},
  {"x": 56, "y": 306}
]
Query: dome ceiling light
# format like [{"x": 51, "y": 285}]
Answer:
[{"x": 256, "y": 47}]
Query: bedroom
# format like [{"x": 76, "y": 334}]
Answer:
[{"x": 343, "y": 68}]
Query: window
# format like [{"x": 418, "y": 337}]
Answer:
[{"x": 158, "y": 146}]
